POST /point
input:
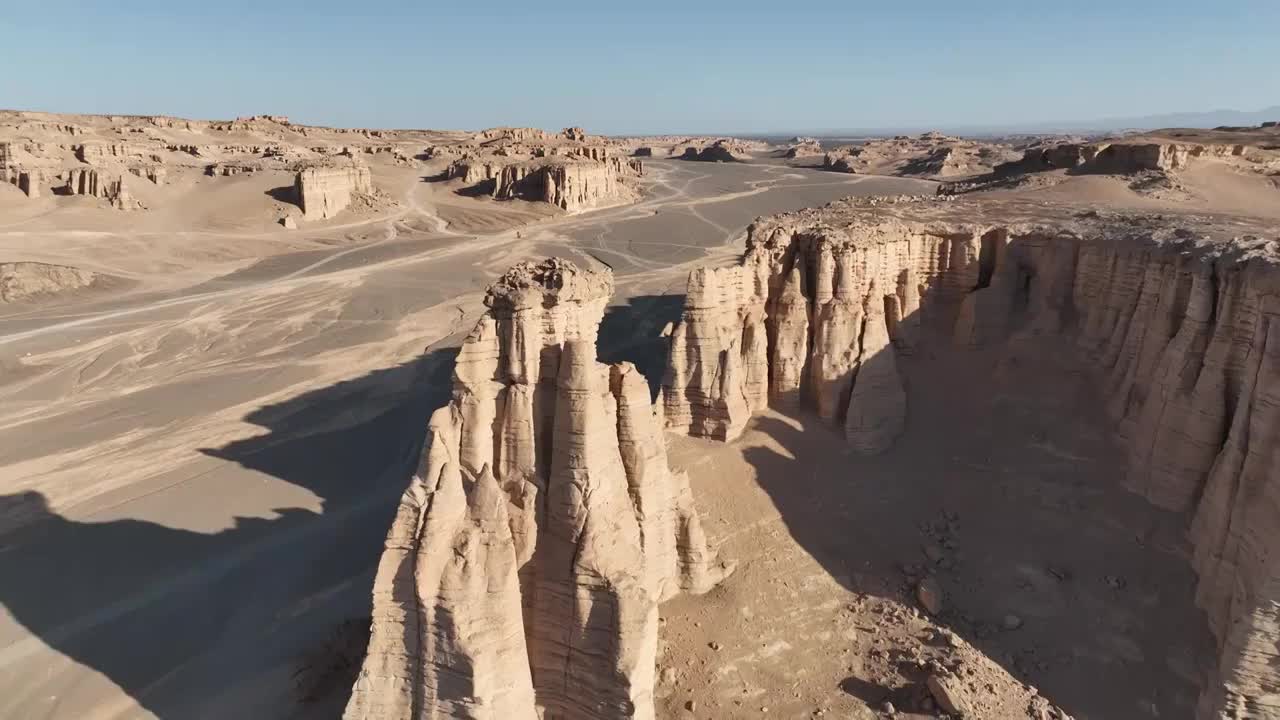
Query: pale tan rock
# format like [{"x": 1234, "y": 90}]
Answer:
[
  {"x": 542, "y": 530},
  {"x": 90, "y": 181},
  {"x": 24, "y": 280},
  {"x": 1184, "y": 336},
  {"x": 323, "y": 191}
]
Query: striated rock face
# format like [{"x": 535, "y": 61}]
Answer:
[
  {"x": 1183, "y": 332},
  {"x": 325, "y": 190},
  {"x": 570, "y": 184},
  {"x": 523, "y": 571},
  {"x": 90, "y": 181},
  {"x": 1119, "y": 157}
]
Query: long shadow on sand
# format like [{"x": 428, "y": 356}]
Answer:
[
  {"x": 181, "y": 620},
  {"x": 1008, "y": 494}
]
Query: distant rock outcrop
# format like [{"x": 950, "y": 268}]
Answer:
[
  {"x": 722, "y": 150},
  {"x": 97, "y": 183},
  {"x": 571, "y": 183},
  {"x": 1184, "y": 333},
  {"x": 931, "y": 154},
  {"x": 25, "y": 280},
  {"x": 1109, "y": 157},
  {"x": 323, "y": 191},
  {"x": 523, "y": 571},
  {"x": 806, "y": 147},
  {"x": 568, "y": 184}
]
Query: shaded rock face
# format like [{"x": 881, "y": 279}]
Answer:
[
  {"x": 523, "y": 571},
  {"x": 1117, "y": 158},
  {"x": 1185, "y": 336},
  {"x": 324, "y": 191},
  {"x": 97, "y": 183},
  {"x": 569, "y": 184}
]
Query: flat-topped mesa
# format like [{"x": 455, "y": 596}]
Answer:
[
  {"x": 1184, "y": 333},
  {"x": 324, "y": 190},
  {"x": 571, "y": 184},
  {"x": 1114, "y": 157},
  {"x": 523, "y": 571},
  {"x": 516, "y": 134}
]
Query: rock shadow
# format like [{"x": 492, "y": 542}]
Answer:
[
  {"x": 484, "y": 188},
  {"x": 1009, "y": 495},
  {"x": 633, "y": 333},
  {"x": 286, "y": 194},
  {"x": 183, "y": 621}
]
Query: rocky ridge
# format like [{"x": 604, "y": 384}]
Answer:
[
  {"x": 523, "y": 571},
  {"x": 1183, "y": 331},
  {"x": 931, "y": 154}
]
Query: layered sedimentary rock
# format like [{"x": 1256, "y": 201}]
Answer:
[
  {"x": 94, "y": 153},
  {"x": 722, "y": 150},
  {"x": 1184, "y": 333},
  {"x": 323, "y": 191},
  {"x": 569, "y": 183},
  {"x": 931, "y": 154},
  {"x": 1110, "y": 157},
  {"x": 96, "y": 183},
  {"x": 523, "y": 571}
]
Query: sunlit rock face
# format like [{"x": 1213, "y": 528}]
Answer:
[{"x": 522, "y": 574}]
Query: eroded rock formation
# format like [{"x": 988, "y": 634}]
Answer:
[
  {"x": 571, "y": 183},
  {"x": 96, "y": 183},
  {"x": 931, "y": 154},
  {"x": 24, "y": 280},
  {"x": 323, "y": 191},
  {"x": 1184, "y": 332},
  {"x": 523, "y": 571},
  {"x": 1111, "y": 157}
]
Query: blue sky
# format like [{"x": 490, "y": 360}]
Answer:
[{"x": 642, "y": 67}]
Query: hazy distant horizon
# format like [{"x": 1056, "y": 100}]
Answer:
[{"x": 709, "y": 67}]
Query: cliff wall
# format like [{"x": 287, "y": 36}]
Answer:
[
  {"x": 1183, "y": 332},
  {"x": 325, "y": 190}
]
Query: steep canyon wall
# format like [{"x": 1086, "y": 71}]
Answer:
[{"x": 1183, "y": 332}]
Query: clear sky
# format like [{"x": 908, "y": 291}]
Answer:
[{"x": 642, "y": 66}]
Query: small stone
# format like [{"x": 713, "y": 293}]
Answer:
[
  {"x": 1012, "y": 622},
  {"x": 1116, "y": 583},
  {"x": 888, "y": 708},
  {"x": 929, "y": 594},
  {"x": 668, "y": 676},
  {"x": 946, "y": 696},
  {"x": 714, "y": 645},
  {"x": 289, "y": 222},
  {"x": 691, "y": 706}
]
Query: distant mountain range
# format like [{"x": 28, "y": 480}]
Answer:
[{"x": 1209, "y": 119}]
